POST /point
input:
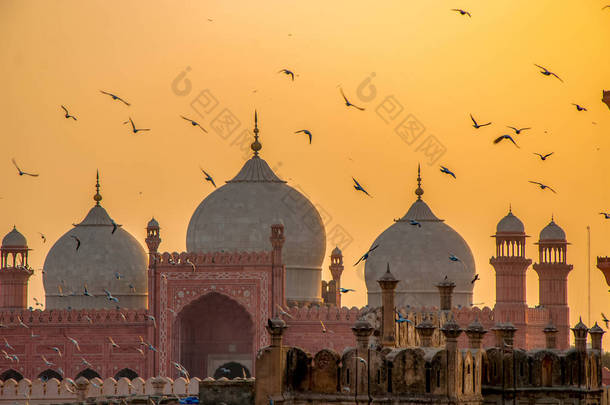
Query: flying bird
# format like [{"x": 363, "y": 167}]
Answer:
[
  {"x": 44, "y": 238},
  {"x": 605, "y": 320},
  {"x": 579, "y": 107},
  {"x": 543, "y": 157},
  {"x": 86, "y": 292},
  {"x": 605, "y": 214},
  {"x": 7, "y": 345},
  {"x": 346, "y": 290},
  {"x": 21, "y": 172},
  {"x": 189, "y": 262},
  {"x": 77, "y": 241},
  {"x": 60, "y": 291},
  {"x": 476, "y": 277},
  {"x": 287, "y": 73},
  {"x": 402, "y": 319},
  {"x": 152, "y": 318},
  {"x": 67, "y": 114},
  {"x": 360, "y": 359},
  {"x": 606, "y": 96},
  {"x": 114, "y": 226},
  {"x": 477, "y": 125},
  {"x": 23, "y": 325},
  {"x": 306, "y": 132},
  {"x": 283, "y": 312},
  {"x": 112, "y": 342},
  {"x": 502, "y": 137},
  {"x": 324, "y": 330},
  {"x": 87, "y": 364},
  {"x": 517, "y": 130},
  {"x": 56, "y": 350},
  {"x": 114, "y": 97},
  {"x": 547, "y": 72},
  {"x": 454, "y": 258},
  {"x": 366, "y": 255},
  {"x": 358, "y": 187},
  {"x": 74, "y": 342},
  {"x": 447, "y": 171},
  {"x": 47, "y": 362},
  {"x": 118, "y": 275},
  {"x": 194, "y": 123},
  {"x": 542, "y": 186},
  {"x": 208, "y": 177},
  {"x": 110, "y": 297},
  {"x": 347, "y": 103},
  {"x": 132, "y": 288},
  {"x": 462, "y": 12},
  {"x": 133, "y": 127},
  {"x": 414, "y": 223}
]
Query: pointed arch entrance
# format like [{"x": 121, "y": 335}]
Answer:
[{"x": 211, "y": 331}]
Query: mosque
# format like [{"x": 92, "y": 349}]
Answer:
[{"x": 254, "y": 251}]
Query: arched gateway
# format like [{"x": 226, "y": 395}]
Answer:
[{"x": 212, "y": 331}]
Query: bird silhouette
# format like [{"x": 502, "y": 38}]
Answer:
[
  {"x": 77, "y": 241},
  {"x": 133, "y": 127},
  {"x": 477, "y": 125},
  {"x": 502, "y": 137},
  {"x": 7, "y": 345},
  {"x": 21, "y": 172},
  {"x": 44, "y": 238},
  {"x": 208, "y": 177},
  {"x": 152, "y": 318},
  {"x": 305, "y": 131},
  {"x": 110, "y": 297},
  {"x": 67, "y": 114},
  {"x": 476, "y": 277},
  {"x": 447, "y": 171},
  {"x": 517, "y": 130},
  {"x": 347, "y": 103},
  {"x": 87, "y": 364},
  {"x": 194, "y": 123},
  {"x": 358, "y": 187},
  {"x": 366, "y": 255},
  {"x": 114, "y": 226},
  {"x": 74, "y": 342},
  {"x": 115, "y": 97},
  {"x": 324, "y": 330},
  {"x": 47, "y": 362},
  {"x": 543, "y": 157},
  {"x": 542, "y": 186},
  {"x": 579, "y": 107},
  {"x": 605, "y": 214},
  {"x": 605, "y": 320},
  {"x": 189, "y": 262},
  {"x": 56, "y": 350},
  {"x": 112, "y": 342},
  {"x": 547, "y": 72},
  {"x": 282, "y": 312},
  {"x": 86, "y": 292},
  {"x": 346, "y": 290},
  {"x": 118, "y": 275},
  {"x": 20, "y": 322},
  {"x": 402, "y": 319},
  {"x": 287, "y": 73},
  {"x": 462, "y": 12},
  {"x": 454, "y": 258},
  {"x": 132, "y": 288},
  {"x": 414, "y": 223},
  {"x": 606, "y": 97}
]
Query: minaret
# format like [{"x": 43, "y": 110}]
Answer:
[
  {"x": 553, "y": 272},
  {"x": 14, "y": 271},
  {"x": 336, "y": 269},
  {"x": 278, "y": 270},
  {"x": 388, "y": 284},
  {"x": 153, "y": 240},
  {"x": 510, "y": 265}
]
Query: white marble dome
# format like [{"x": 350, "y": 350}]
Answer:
[
  {"x": 510, "y": 224},
  {"x": 419, "y": 258},
  {"x": 14, "y": 239},
  {"x": 238, "y": 217},
  {"x": 552, "y": 232},
  {"x": 100, "y": 256}
]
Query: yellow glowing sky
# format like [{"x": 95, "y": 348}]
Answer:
[{"x": 439, "y": 65}]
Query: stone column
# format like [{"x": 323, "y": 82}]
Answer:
[
  {"x": 14, "y": 286},
  {"x": 452, "y": 332},
  {"x": 362, "y": 330},
  {"x": 425, "y": 330},
  {"x": 270, "y": 364},
  {"x": 508, "y": 331},
  {"x": 82, "y": 385},
  {"x": 445, "y": 290},
  {"x": 580, "y": 336},
  {"x": 158, "y": 385},
  {"x": 497, "y": 330},
  {"x": 475, "y": 333},
  {"x": 596, "y": 337},
  {"x": 550, "y": 335},
  {"x": 388, "y": 283},
  {"x": 278, "y": 270}
]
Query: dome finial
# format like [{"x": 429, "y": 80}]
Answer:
[
  {"x": 419, "y": 191},
  {"x": 256, "y": 145},
  {"x": 97, "y": 197},
  {"x": 510, "y": 208}
]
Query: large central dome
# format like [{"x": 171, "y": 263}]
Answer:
[
  {"x": 238, "y": 217},
  {"x": 418, "y": 247}
]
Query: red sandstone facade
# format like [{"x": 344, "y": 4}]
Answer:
[{"x": 209, "y": 312}]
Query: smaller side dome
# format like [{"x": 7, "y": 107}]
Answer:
[
  {"x": 552, "y": 232},
  {"x": 14, "y": 239},
  {"x": 510, "y": 224},
  {"x": 152, "y": 223},
  {"x": 336, "y": 251}
]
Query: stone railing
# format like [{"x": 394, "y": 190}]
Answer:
[
  {"x": 216, "y": 258},
  {"x": 54, "y": 392}
]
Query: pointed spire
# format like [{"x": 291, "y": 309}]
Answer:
[
  {"x": 510, "y": 208},
  {"x": 97, "y": 197},
  {"x": 419, "y": 191},
  {"x": 256, "y": 145}
]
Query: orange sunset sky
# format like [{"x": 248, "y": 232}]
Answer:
[{"x": 438, "y": 65}]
